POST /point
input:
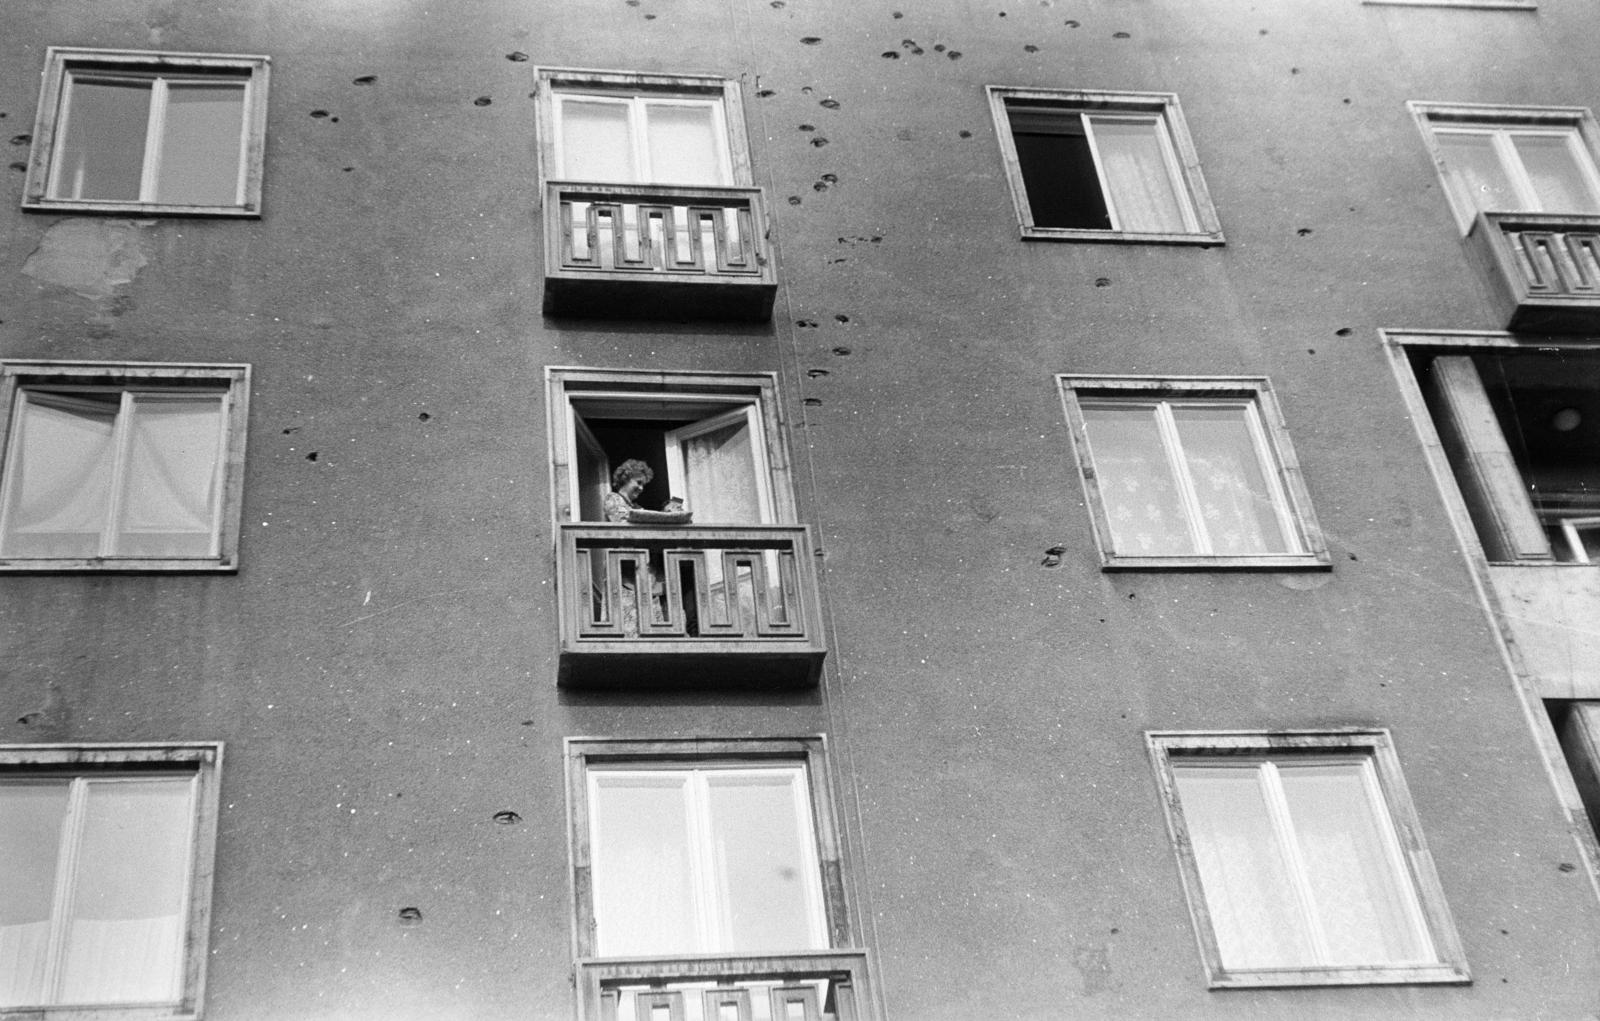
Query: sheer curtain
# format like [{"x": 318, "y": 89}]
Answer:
[
  {"x": 1142, "y": 502},
  {"x": 170, "y": 498},
  {"x": 766, "y": 878},
  {"x": 60, "y": 476},
  {"x": 1231, "y": 489},
  {"x": 644, "y": 898},
  {"x": 1137, "y": 175}
]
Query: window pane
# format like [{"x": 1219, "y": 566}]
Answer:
[
  {"x": 1142, "y": 191},
  {"x": 1557, "y": 178},
  {"x": 200, "y": 148},
  {"x": 1367, "y": 908},
  {"x": 720, "y": 475},
  {"x": 170, "y": 497},
  {"x": 596, "y": 141},
  {"x": 683, "y": 144},
  {"x": 644, "y": 899},
  {"x": 125, "y": 935},
  {"x": 1475, "y": 174},
  {"x": 31, "y": 817},
  {"x": 59, "y": 476},
  {"x": 1254, "y": 909},
  {"x": 1231, "y": 488},
  {"x": 102, "y": 148},
  {"x": 1136, "y": 482},
  {"x": 764, "y": 876},
  {"x": 1058, "y": 170}
]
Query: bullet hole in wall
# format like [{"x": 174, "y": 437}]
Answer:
[
  {"x": 366, "y": 79},
  {"x": 1565, "y": 866},
  {"x": 1070, "y": 23},
  {"x": 812, "y": 402},
  {"x": 1311, "y": 350},
  {"x": 841, "y": 351},
  {"x": 507, "y": 818},
  {"x": 1102, "y": 281},
  {"x": 410, "y": 916},
  {"x": 1122, "y": 35},
  {"x": 18, "y": 166},
  {"x": 1347, "y": 101},
  {"x": 348, "y": 169},
  {"x": 319, "y": 114},
  {"x": 21, "y": 139},
  {"x": 777, "y": 5},
  {"x": 954, "y": 54},
  {"x": 806, "y": 324},
  {"x": 311, "y": 456},
  {"x": 291, "y": 430},
  {"x": 831, "y": 178},
  {"x": 1343, "y": 331},
  {"x": 810, "y": 40},
  {"x": 1052, "y": 556},
  {"x": 820, "y": 186},
  {"x": 808, "y": 127},
  {"x": 424, "y": 417},
  {"x": 829, "y": 104},
  {"x": 819, "y": 141},
  {"x": 1304, "y": 232},
  {"x": 898, "y": 15},
  {"x": 841, "y": 318},
  {"x": 817, "y": 373},
  {"x": 766, "y": 93},
  {"x": 806, "y": 90},
  {"x": 890, "y": 55},
  {"x": 794, "y": 200},
  {"x": 482, "y": 101},
  {"x": 517, "y": 57},
  {"x": 938, "y": 47},
  {"x": 1030, "y": 48},
  {"x": 1294, "y": 70}
]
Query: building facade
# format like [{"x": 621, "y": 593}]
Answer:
[{"x": 1138, "y": 485}]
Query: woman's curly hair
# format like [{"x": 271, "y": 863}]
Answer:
[{"x": 633, "y": 468}]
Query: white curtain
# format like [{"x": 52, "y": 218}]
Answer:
[
  {"x": 60, "y": 476},
  {"x": 597, "y": 141},
  {"x": 683, "y": 144},
  {"x": 720, "y": 475},
  {"x": 1136, "y": 483},
  {"x": 170, "y": 498},
  {"x": 1231, "y": 490},
  {"x": 1137, "y": 175},
  {"x": 765, "y": 879},
  {"x": 644, "y": 899}
]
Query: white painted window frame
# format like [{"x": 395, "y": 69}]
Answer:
[
  {"x": 1392, "y": 809},
  {"x": 638, "y": 108},
  {"x": 130, "y": 378},
  {"x": 64, "y": 64}
]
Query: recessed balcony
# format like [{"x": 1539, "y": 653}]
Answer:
[
  {"x": 828, "y": 985},
  {"x": 689, "y": 605},
  {"x": 1543, "y": 269},
  {"x": 633, "y": 251}
]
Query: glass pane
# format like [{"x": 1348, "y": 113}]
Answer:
[
  {"x": 1474, "y": 173},
  {"x": 1137, "y": 176},
  {"x": 720, "y": 475},
  {"x": 683, "y": 144},
  {"x": 102, "y": 147},
  {"x": 31, "y": 817},
  {"x": 765, "y": 880},
  {"x": 1368, "y": 910},
  {"x": 59, "y": 476},
  {"x": 200, "y": 146},
  {"x": 1230, "y": 485},
  {"x": 126, "y": 931},
  {"x": 1558, "y": 180},
  {"x": 1254, "y": 909},
  {"x": 596, "y": 141},
  {"x": 644, "y": 899},
  {"x": 1058, "y": 170},
  {"x": 170, "y": 487},
  {"x": 1136, "y": 482}
]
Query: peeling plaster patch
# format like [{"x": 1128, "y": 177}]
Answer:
[{"x": 90, "y": 258}]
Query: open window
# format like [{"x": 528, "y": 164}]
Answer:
[
  {"x": 138, "y": 132},
  {"x": 709, "y": 882},
  {"x": 1090, "y": 166},
  {"x": 120, "y": 466}
]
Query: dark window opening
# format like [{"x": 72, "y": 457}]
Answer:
[{"x": 1058, "y": 169}]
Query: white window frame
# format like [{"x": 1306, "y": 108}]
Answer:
[
  {"x": 17, "y": 377},
  {"x": 1394, "y": 812},
  {"x": 1491, "y": 5},
  {"x": 808, "y": 755},
  {"x": 202, "y": 761},
  {"x": 754, "y": 393},
  {"x": 636, "y": 90},
  {"x": 1161, "y": 108},
  {"x": 64, "y": 64},
  {"x": 1280, "y": 468},
  {"x": 1570, "y": 527},
  {"x": 1575, "y": 124}
]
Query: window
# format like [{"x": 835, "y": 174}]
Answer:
[
  {"x": 108, "y": 852},
  {"x": 121, "y": 466},
  {"x": 605, "y": 127},
  {"x": 1512, "y": 159},
  {"x": 1091, "y": 166},
  {"x": 1302, "y": 859},
  {"x": 708, "y": 878},
  {"x": 1190, "y": 473},
  {"x": 127, "y": 131},
  {"x": 1520, "y": 429},
  {"x": 1505, "y": 5}
]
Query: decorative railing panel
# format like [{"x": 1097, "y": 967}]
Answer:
[
  {"x": 814, "y": 986},
  {"x": 731, "y": 597},
  {"x": 1542, "y": 269},
  {"x": 650, "y": 250}
]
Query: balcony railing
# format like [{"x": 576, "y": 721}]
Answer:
[
  {"x": 830, "y": 985},
  {"x": 656, "y": 252},
  {"x": 1543, "y": 269},
  {"x": 673, "y": 605}
]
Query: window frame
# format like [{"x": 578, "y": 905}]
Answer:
[
  {"x": 204, "y": 758},
  {"x": 1375, "y": 745},
  {"x": 721, "y": 93},
  {"x": 1295, "y": 512},
  {"x": 1490, "y": 5},
  {"x": 684, "y": 753},
  {"x": 1575, "y": 122},
  {"x": 62, "y": 61},
  {"x": 755, "y": 390},
  {"x": 17, "y": 375},
  {"x": 1183, "y": 163}
]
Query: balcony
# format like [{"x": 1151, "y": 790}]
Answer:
[
  {"x": 656, "y": 252},
  {"x": 1543, "y": 269},
  {"x": 828, "y": 985},
  {"x": 701, "y": 604}
]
